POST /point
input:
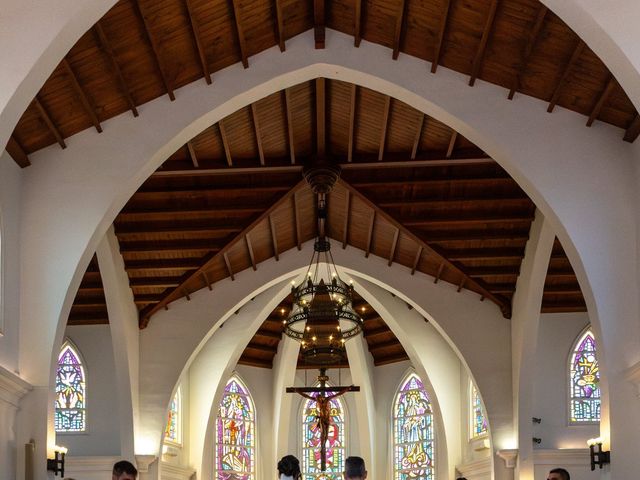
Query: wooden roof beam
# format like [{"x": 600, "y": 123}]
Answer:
[
  {"x": 357, "y": 28},
  {"x": 416, "y": 260},
  {"x": 296, "y": 219},
  {"x": 486, "y": 35},
  {"x": 192, "y": 154},
  {"x": 49, "y": 122},
  {"x": 82, "y": 96},
  {"x": 633, "y": 131},
  {"x": 263, "y": 348},
  {"x": 394, "y": 244},
  {"x": 565, "y": 75},
  {"x": 441, "y": 31},
  {"x": 372, "y": 222},
  {"x": 319, "y": 23},
  {"x": 321, "y": 123},
  {"x": 528, "y": 49},
  {"x": 452, "y": 144},
  {"x": 189, "y": 263},
  {"x": 469, "y": 220},
  {"x": 602, "y": 100},
  {"x": 398, "y": 31},
  {"x": 250, "y": 252},
  {"x": 17, "y": 152},
  {"x": 225, "y": 142},
  {"x": 384, "y": 129},
  {"x": 274, "y": 237},
  {"x": 235, "y": 5},
  {"x": 280, "y": 25},
  {"x": 154, "y": 282},
  {"x": 352, "y": 121},
  {"x": 416, "y": 140},
  {"x": 115, "y": 68},
  {"x": 168, "y": 85},
  {"x": 195, "y": 30},
  {"x": 345, "y": 225},
  {"x": 289, "y": 114},
  {"x": 258, "y": 132}
]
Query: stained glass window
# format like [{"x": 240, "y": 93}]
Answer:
[
  {"x": 70, "y": 403},
  {"x": 311, "y": 463},
  {"x": 584, "y": 381},
  {"x": 478, "y": 419},
  {"x": 413, "y": 442},
  {"x": 173, "y": 432},
  {"x": 235, "y": 434}
]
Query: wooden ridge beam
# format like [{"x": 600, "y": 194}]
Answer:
[
  {"x": 505, "y": 306},
  {"x": 289, "y": 114},
  {"x": 81, "y": 94},
  {"x": 258, "y": 132},
  {"x": 416, "y": 140},
  {"x": 197, "y": 37},
  {"x": 225, "y": 142},
  {"x": 168, "y": 85},
  {"x": 399, "y": 30},
  {"x": 565, "y": 75},
  {"x": 633, "y": 131},
  {"x": 384, "y": 129},
  {"x": 319, "y": 23},
  {"x": 352, "y": 121},
  {"x": 49, "y": 122},
  {"x": 357, "y": 27},
  {"x": 486, "y": 35},
  {"x": 446, "y": 4},
  {"x": 235, "y": 6},
  {"x": 17, "y": 152},
  {"x": 280, "y": 25},
  {"x": 115, "y": 68},
  {"x": 528, "y": 50},
  {"x": 321, "y": 122},
  {"x": 602, "y": 100},
  {"x": 145, "y": 314}
]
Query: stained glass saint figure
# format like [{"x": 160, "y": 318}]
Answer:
[
  {"x": 478, "y": 419},
  {"x": 413, "y": 442},
  {"x": 235, "y": 434},
  {"x": 584, "y": 381},
  {"x": 172, "y": 431},
  {"x": 70, "y": 402}
]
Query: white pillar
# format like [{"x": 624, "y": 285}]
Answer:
[
  {"x": 123, "y": 321},
  {"x": 284, "y": 367},
  {"x": 527, "y": 302},
  {"x": 12, "y": 389}
]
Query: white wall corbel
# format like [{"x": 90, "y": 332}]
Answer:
[
  {"x": 509, "y": 455},
  {"x": 12, "y": 387}
]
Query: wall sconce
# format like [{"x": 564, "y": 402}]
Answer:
[
  {"x": 56, "y": 464},
  {"x": 598, "y": 456}
]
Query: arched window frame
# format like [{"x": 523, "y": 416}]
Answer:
[
  {"x": 474, "y": 401},
  {"x": 569, "y": 377},
  {"x": 177, "y": 399},
  {"x": 82, "y": 365},
  {"x": 434, "y": 429},
  {"x": 301, "y": 435},
  {"x": 252, "y": 475}
]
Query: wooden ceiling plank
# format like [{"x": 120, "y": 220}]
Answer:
[
  {"x": 416, "y": 260},
  {"x": 156, "y": 51},
  {"x": 602, "y": 100},
  {"x": 17, "y": 152},
  {"x": 384, "y": 128},
  {"x": 242, "y": 42},
  {"x": 398, "y": 31},
  {"x": 372, "y": 221},
  {"x": 280, "y": 25},
  {"x": 486, "y": 35},
  {"x": 441, "y": 32},
  {"x": 416, "y": 140},
  {"x": 49, "y": 122},
  {"x": 228, "y": 264},
  {"x": 528, "y": 50},
  {"x": 192, "y": 154},
  {"x": 250, "y": 251},
  {"x": 504, "y": 305},
  {"x": 394, "y": 244},
  {"x": 565, "y": 75},
  {"x": 296, "y": 218},
  {"x": 263, "y": 348},
  {"x": 452, "y": 144},
  {"x": 633, "y": 131},
  {"x": 258, "y": 132},
  {"x": 319, "y": 23},
  {"x": 225, "y": 142},
  {"x": 287, "y": 103},
  {"x": 195, "y": 31},
  {"x": 321, "y": 123},
  {"x": 352, "y": 121},
  {"x": 274, "y": 237},
  {"x": 115, "y": 68},
  {"x": 345, "y": 225},
  {"x": 81, "y": 94},
  {"x": 357, "y": 28}
]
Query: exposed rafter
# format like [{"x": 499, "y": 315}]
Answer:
[
  {"x": 441, "y": 32},
  {"x": 17, "y": 152},
  {"x": 602, "y": 100},
  {"x": 81, "y": 94},
  {"x": 242, "y": 42},
  {"x": 197, "y": 37},
  {"x": 528, "y": 50},
  {"x": 565, "y": 75},
  {"x": 319, "y": 22},
  {"x": 398, "y": 31},
  {"x": 486, "y": 35}
]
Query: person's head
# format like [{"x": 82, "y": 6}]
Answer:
[
  {"x": 354, "y": 469},
  {"x": 124, "y": 470},
  {"x": 558, "y": 474},
  {"x": 289, "y": 466}
]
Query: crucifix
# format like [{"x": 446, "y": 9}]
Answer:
[{"x": 323, "y": 396}]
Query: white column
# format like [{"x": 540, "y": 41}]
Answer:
[
  {"x": 526, "y": 304},
  {"x": 12, "y": 389},
  {"x": 123, "y": 320},
  {"x": 284, "y": 367}
]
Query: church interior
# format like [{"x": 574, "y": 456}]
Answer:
[{"x": 405, "y": 230}]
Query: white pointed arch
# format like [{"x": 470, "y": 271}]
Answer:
[
  {"x": 70, "y": 408},
  {"x": 583, "y": 380}
]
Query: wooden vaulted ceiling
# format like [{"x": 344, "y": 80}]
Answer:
[{"x": 412, "y": 191}]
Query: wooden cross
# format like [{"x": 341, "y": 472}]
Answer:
[{"x": 322, "y": 398}]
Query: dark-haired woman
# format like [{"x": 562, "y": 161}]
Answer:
[{"x": 289, "y": 468}]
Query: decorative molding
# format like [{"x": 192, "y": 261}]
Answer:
[
  {"x": 633, "y": 375},
  {"x": 477, "y": 470},
  {"x": 509, "y": 455},
  {"x": 143, "y": 462},
  {"x": 90, "y": 464},
  {"x": 12, "y": 387},
  {"x": 561, "y": 456},
  {"x": 169, "y": 471}
]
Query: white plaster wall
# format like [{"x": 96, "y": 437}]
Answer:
[
  {"x": 557, "y": 333},
  {"x": 103, "y": 433},
  {"x": 10, "y": 184},
  {"x": 575, "y": 461}
]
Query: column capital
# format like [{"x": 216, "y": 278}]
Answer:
[
  {"x": 509, "y": 455},
  {"x": 12, "y": 387}
]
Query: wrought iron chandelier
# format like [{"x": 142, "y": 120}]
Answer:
[{"x": 322, "y": 317}]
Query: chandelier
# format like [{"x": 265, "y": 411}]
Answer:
[{"x": 322, "y": 317}]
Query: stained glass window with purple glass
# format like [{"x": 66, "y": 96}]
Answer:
[
  {"x": 172, "y": 431},
  {"x": 311, "y": 442},
  {"x": 413, "y": 442},
  {"x": 70, "y": 403},
  {"x": 478, "y": 419},
  {"x": 584, "y": 381},
  {"x": 235, "y": 434}
]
